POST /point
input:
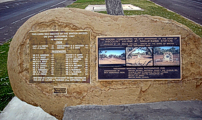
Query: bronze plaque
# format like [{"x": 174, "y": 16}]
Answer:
[
  {"x": 60, "y": 90},
  {"x": 59, "y": 56}
]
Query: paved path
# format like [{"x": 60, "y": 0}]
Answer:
[
  {"x": 169, "y": 110},
  {"x": 191, "y": 9},
  {"x": 14, "y": 13}
]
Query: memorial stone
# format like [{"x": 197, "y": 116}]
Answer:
[
  {"x": 53, "y": 60},
  {"x": 168, "y": 57}
]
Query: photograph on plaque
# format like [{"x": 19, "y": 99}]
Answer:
[
  {"x": 139, "y": 56},
  {"x": 167, "y": 55},
  {"x": 111, "y": 57}
]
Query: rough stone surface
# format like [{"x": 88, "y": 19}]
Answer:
[
  {"x": 104, "y": 93},
  {"x": 171, "y": 110},
  {"x": 114, "y": 7}
]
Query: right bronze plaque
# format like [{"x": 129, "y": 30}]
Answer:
[{"x": 137, "y": 58}]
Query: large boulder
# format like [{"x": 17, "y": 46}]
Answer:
[{"x": 104, "y": 92}]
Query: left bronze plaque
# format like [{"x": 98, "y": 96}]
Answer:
[{"x": 59, "y": 56}]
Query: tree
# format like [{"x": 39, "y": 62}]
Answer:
[
  {"x": 157, "y": 50},
  {"x": 129, "y": 52},
  {"x": 110, "y": 56},
  {"x": 122, "y": 56},
  {"x": 102, "y": 56},
  {"x": 172, "y": 50},
  {"x": 149, "y": 51},
  {"x": 163, "y": 51},
  {"x": 177, "y": 51},
  {"x": 114, "y": 7}
]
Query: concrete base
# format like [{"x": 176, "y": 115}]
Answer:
[
  {"x": 19, "y": 110},
  {"x": 170, "y": 110},
  {"x": 103, "y": 7}
]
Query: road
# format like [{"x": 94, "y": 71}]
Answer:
[
  {"x": 191, "y": 9},
  {"x": 14, "y": 13}
]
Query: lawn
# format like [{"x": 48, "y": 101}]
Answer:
[
  {"x": 6, "y": 93},
  {"x": 149, "y": 7}
]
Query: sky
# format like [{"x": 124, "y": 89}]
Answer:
[
  {"x": 114, "y": 52},
  {"x": 165, "y": 48},
  {"x": 139, "y": 51}
]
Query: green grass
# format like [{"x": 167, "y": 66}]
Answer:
[
  {"x": 6, "y": 92},
  {"x": 149, "y": 9}
]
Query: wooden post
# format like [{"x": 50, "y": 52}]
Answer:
[{"x": 114, "y": 7}]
